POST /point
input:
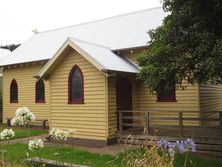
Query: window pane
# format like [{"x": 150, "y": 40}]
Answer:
[
  {"x": 76, "y": 93},
  {"x": 14, "y": 92},
  {"x": 166, "y": 94},
  {"x": 40, "y": 94}
]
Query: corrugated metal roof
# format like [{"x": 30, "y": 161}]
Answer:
[
  {"x": 105, "y": 57},
  {"x": 100, "y": 56},
  {"x": 4, "y": 53},
  {"x": 125, "y": 31}
]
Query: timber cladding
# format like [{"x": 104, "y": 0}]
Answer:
[
  {"x": 88, "y": 119},
  {"x": 210, "y": 97},
  {"x": 26, "y": 92}
]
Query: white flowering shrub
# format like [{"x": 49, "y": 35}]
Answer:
[
  {"x": 60, "y": 135},
  {"x": 22, "y": 111},
  {"x": 36, "y": 144},
  {"x": 22, "y": 117},
  {"x": 17, "y": 121},
  {"x": 7, "y": 134}
]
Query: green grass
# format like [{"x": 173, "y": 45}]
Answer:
[
  {"x": 70, "y": 155},
  {"x": 22, "y": 132},
  {"x": 198, "y": 161},
  {"x": 96, "y": 160}
]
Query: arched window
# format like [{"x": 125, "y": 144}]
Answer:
[
  {"x": 13, "y": 92},
  {"x": 40, "y": 91},
  {"x": 75, "y": 86}
]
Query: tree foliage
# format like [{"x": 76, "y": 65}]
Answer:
[{"x": 187, "y": 46}]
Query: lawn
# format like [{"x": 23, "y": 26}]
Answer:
[
  {"x": 22, "y": 132},
  {"x": 96, "y": 160},
  {"x": 55, "y": 153},
  {"x": 198, "y": 161}
]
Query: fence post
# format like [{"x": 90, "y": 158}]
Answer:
[
  {"x": 120, "y": 122},
  {"x": 220, "y": 119},
  {"x": 44, "y": 124},
  {"x": 181, "y": 124},
  {"x": 8, "y": 122},
  {"x": 148, "y": 122}
]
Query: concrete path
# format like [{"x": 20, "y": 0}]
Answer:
[{"x": 111, "y": 149}]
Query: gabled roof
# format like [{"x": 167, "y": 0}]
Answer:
[
  {"x": 100, "y": 56},
  {"x": 4, "y": 53},
  {"x": 124, "y": 31}
]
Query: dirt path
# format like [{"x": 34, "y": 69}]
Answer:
[{"x": 110, "y": 149}]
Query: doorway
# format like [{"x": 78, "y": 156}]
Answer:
[{"x": 124, "y": 100}]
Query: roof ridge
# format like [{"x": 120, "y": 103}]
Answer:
[
  {"x": 90, "y": 43},
  {"x": 103, "y": 19}
]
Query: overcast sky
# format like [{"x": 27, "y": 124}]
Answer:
[{"x": 19, "y": 17}]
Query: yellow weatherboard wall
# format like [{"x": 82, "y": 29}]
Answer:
[
  {"x": 88, "y": 119},
  {"x": 211, "y": 97},
  {"x": 26, "y": 92},
  {"x": 186, "y": 100}
]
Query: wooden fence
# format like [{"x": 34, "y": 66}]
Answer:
[
  {"x": 178, "y": 123},
  {"x": 202, "y": 126}
]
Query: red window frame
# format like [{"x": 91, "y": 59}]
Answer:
[
  {"x": 70, "y": 100},
  {"x": 37, "y": 91},
  {"x": 13, "y": 86}
]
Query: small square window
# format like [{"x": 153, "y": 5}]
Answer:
[{"x": 166, "y": 95}]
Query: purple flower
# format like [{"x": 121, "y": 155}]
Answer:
[
  {"x": 182, "y": 146},
  {"x": 187, "y": 145},
  {"x": 162, "y": 143},
  {"x": 171, "y": 145},
  {"x": 191, "y": 145}
]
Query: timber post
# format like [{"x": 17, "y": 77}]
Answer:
[
  {"x": 148, "y": 122},
  {"x": 220, "y": 119},
  {"x": 8, "y": 122},
  {"x": 181, "y": 124},
  {"x": 120, "y": 122}
]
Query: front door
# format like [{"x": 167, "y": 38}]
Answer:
[{"x": 124, "y": 99}]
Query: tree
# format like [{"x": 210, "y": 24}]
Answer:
[{"x": 186, "y": 47}]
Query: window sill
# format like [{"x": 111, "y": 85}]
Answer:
[
  {"x": 15, "y": 102},
  {"x": 40, "y": 102},
  {"x": 166, "y": 101},
  {"x": 76, "y": 102}
]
